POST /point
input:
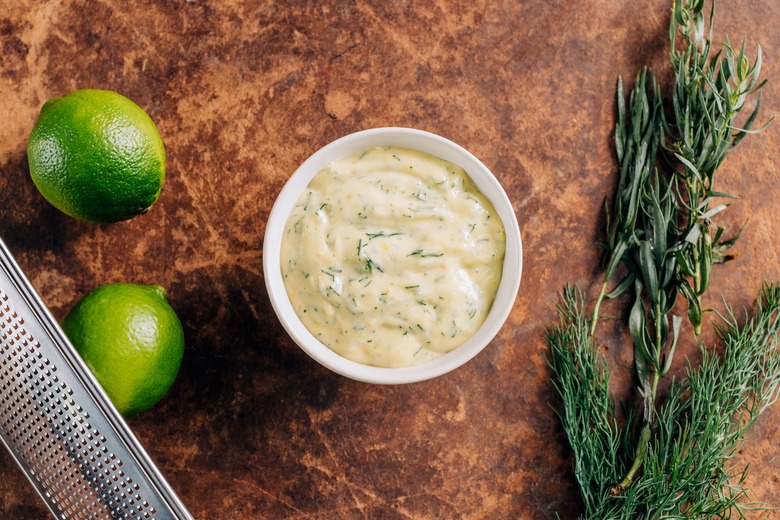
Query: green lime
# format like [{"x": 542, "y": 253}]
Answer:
[
  {"x": 97, "y": 156},
  {"x": 132, "y": 341}
]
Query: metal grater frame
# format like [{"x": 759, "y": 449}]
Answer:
[{"x": 59, "y": 424}]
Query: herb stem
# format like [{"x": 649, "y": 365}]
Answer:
[
  {"x": 595, "y": 316},
  {"x": 659, "y": 339},
  {"x": 697, "y": 286},
  {"x": 639, "y": 458},
  {"x": 644, "y": 438}
]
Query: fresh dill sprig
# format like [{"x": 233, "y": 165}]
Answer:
[
  {"x": 699, "y": 427},
  {"x": 581, "y": 378},
  {"x": 705, "y": 418}
]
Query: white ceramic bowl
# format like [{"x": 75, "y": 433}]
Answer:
[{"x": 416, "y": 140}]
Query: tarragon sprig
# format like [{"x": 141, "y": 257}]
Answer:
[
  {"x": 708, "y": 95},
  {"x": 636, "y": 143},
  {"x": 642, "y": 236}
]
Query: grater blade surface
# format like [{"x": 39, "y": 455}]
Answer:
[{"x": 60, "y": 426}]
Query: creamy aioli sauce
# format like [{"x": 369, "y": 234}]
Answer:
[{"x": 392, "y": 257}]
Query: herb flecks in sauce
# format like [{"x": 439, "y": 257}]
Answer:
[{"x": 409, "y": 255}]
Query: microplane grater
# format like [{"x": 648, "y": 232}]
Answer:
[{"x": 60, "y": 426}]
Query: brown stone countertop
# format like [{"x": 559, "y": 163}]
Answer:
[{"x": 242, "y": 93}]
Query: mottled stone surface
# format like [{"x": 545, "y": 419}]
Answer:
[{"x": 242, "y": 93}]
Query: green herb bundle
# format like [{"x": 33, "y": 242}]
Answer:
[{"x": 670, "y": 458}]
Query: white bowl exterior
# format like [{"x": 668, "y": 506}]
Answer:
[{"x": 403, "y": 138}]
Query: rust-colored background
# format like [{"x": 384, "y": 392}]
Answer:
[{"x": 242, "y": 93}]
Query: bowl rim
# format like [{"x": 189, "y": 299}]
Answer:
[{"x": 415, "y": 139}]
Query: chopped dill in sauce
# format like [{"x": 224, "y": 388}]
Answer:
[{"x": 402, "y": 241}]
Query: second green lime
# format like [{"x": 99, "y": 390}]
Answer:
[
  {"x": 131, "y": 339},
  {"x": 96, "y": 156}
]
